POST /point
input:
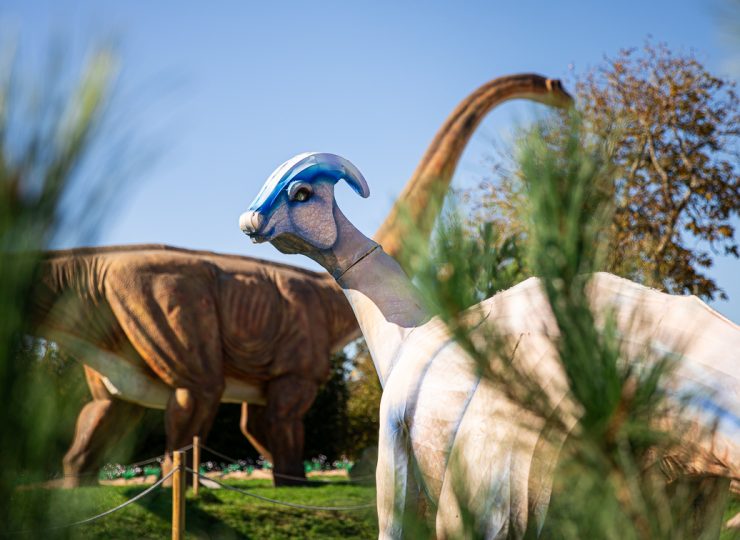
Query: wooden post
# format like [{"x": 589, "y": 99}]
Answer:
[
  {"x": 196, "y": 464},
  {"x": 178, "y": 496}
]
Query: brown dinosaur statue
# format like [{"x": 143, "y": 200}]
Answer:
[{"x": 184, "y": 330}]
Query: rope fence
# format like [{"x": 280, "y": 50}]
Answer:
[
  {"x": 230, "y": 459},
  {"x": 178, "y": 474},
  {"x": 288, "y": 476},
  {"x": 157, "y": 459},
  {"x": 284, "y": 503},
  {"x": 121, "y": 506}
]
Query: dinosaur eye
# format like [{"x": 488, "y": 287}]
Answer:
[{"x": 300, "y": 191}]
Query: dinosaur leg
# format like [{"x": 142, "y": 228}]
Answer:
[
  {"x": 171, "y": 319},
  {"x": 189, "y": 413},
  {"x": 100, "y": 424},
  {"x": 253, "y": 425},
  {"x": 288, "y": 399},
  {"x": 396, "y": 490}
]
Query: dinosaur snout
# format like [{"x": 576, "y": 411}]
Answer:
[{"x": 250, "y": 223}]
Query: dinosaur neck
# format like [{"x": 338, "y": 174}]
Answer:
[
  {"x": 384, "y": 300},
  {"x": 420, "y": 202},
  {"x": 386, "y": 304}
]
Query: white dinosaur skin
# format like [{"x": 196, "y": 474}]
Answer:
[{"x": 440, "y": 422}]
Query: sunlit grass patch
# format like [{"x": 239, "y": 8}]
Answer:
[{"x": 214, "y": 514}]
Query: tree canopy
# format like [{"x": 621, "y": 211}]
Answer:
[{"x": 674, "y": 129}]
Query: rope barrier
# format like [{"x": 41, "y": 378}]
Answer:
[
  {"x": 139, "y": 463},
  {"x": 301, "y": 479},
  {"x": 219, "y": 454},
  {"x": 159, "y": 482},
  {"x": 128, "y": 466},
  {"x": 280, "y": 475},
  {"x": 288, "y": 476},
  {"x": 106, "y": 513},
  {"x": 284, "y": 503}
]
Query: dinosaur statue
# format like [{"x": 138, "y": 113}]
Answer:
[
  {"x": 420, "y": 201},
  {"x": 184, "y": 330},
  {"x": 440, "y": 420}
]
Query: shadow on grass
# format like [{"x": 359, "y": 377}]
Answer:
[{"x": 198, "y": 522}]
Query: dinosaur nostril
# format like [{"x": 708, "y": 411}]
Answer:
[
  {"x": 257, "y": 220},
  {"x": 250, "y": 222}
]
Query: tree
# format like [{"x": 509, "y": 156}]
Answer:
[
  {"x": 326, "y": 421},
  {"x": 674, "y": 128},
  {"x": 363, "y": 406}
]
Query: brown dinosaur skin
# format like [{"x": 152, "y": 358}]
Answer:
[{"x": 190, "y": 319}]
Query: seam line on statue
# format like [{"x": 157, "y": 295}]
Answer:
[
  {"x": 414, "y": 396},
  {"x": 399, "y": 350},
  {"x": 376, "y": 246},
  {"x": 457, "y": 426}
]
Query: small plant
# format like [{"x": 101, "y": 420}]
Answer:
[
  {"x": 343, "y": 464},
  {"x": 152, "y": 471}
]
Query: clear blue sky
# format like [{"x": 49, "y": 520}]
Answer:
[{"x": 225, "y": 91}]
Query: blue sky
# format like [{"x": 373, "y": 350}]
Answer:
[{"x": 223, "y": 92}]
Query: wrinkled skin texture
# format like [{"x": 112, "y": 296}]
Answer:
[
  {"x": 147, "y": 310},
  {"x": 190, "y": 322}
]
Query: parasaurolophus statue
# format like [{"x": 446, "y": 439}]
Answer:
[
  {"x": 184, "y": 330},
  {"x": 447, "y": 433}
]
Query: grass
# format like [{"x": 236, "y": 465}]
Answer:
[
  {"x": 732, "y": 509},
  {"x": 220, "y": 514},
  {"x": 215, "y": 514}
]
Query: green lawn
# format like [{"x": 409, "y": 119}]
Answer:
[
  {"x": 216, "y": 514},
  {"x": 732, "y": 509}
]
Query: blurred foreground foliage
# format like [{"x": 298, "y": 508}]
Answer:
[
  {"x": 611, "y": 480},
  {"x": 47, "y": 131}
]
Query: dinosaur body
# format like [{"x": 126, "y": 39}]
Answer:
[
  {"x": 148, "y": 320},
  {"x": 446, "y": 432},
  {"x": 184, "y": 330},
  {"x": 472, "y": 446},
  {"x": 144, "y": 321}
]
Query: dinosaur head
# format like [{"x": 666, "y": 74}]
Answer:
[
  {"x": 556, "y": 95},
  {"x": 295, "y": 209}
]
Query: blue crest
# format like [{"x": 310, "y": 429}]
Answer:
[{"x": 308, "y": 167}]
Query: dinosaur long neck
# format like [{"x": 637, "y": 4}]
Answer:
[
  {"x": 384, "y": 300},
  {"x": 386, "y": 305},
  {"x": 420, "y": 201}
]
